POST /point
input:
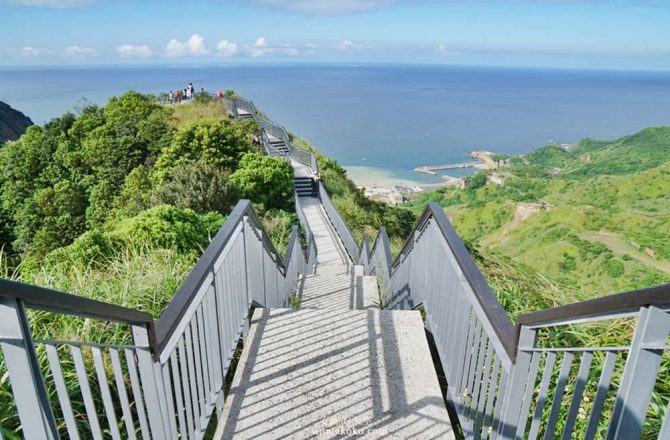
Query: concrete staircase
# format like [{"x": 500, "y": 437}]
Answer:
[
  {"x": 339, "y": 367},
  {"x": 304, "y": 186}
]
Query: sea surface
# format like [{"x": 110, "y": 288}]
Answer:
[{"x": 382, "y": 121}]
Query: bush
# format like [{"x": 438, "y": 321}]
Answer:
[
  {"x": 198, "y": 186},
  {"x": 264, "y": 180},
  {"x": 219, "y": 142},
  {"x": 614, "y": 268},
  {"x": 169, "y": 227}
]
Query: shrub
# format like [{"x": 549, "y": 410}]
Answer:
[
  {"x": 614, "y": 268},
  {"x": 169, "y": 227},
  {"x": 198, "y": 186},
  {"x": 219, "y": 142},
  {"x": 264, "y": 180}
]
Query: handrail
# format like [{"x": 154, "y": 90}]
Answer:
[
  {"x": 41, "y": 298},
  {"x": 382, "y": 239},
  {"x": 169, "y": 320},
  {"x": 496, "y": 314},
  {"x": 294, "y": 150},
  {"x": 340, "y": 225},
  {"x": 621, "y": 303}
]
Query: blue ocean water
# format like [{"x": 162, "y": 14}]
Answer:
[{"x": 391, "y": 118}]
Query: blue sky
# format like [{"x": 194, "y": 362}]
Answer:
[{"x": 620, "y": 34}]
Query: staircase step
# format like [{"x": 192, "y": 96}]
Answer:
[{"x": 307, "y": 374}]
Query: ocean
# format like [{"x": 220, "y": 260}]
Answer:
[{"x": 382, "y": 121}]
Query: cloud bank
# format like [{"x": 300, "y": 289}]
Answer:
[{"x": 130, "y": 51}]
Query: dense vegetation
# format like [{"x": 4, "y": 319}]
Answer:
[
  {"x": 131, "y": 183},
  {"x": 572, "y": 225},
  {"x": 117, "y": 203},
  {"x": 603, "y": 208}
]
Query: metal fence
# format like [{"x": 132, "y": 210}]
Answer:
[
  {"x": 235, "y": 103},
  {"x": 165, "y": 381},
  {"x": 339, "y": 224},
  {"x": 512, "y": 383}
]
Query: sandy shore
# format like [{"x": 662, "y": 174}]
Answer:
[{"x": 383, "y": 185}]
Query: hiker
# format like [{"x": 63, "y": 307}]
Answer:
[
  {"x": 177, "y": 96},
  {"x": 219, "y": 95}
]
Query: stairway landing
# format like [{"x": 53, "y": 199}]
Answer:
[{"x": 326, "y": 374}]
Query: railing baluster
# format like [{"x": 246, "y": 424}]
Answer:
[
  {"x": 178, "y": 388},
  {"x": 30, "y": 396},
  {"x": 481, "y": 393},
  {"x": 500, "y": 404},
  {"x": 187, "y": 384},
  {"x": 528, "y": 396},
  {"x": 559, "y": 391},
  {"x": 61, "y": 391},
  {"x": 639, "y": 375},
  {"x": 82, "y": 377},
  {"x": 542, "y": 395},
  {"x": 601, "y": 395},
  {"x": 516, "y": 386},
  {"x": 169, "y": 397},
  {"x": 493, "y": 388},
  {"x": 193, "y": 385},
  {"x": 99, "y": 364},
  {"x": 123, "y": 395},
  {"x": 151, "y": 386},
  {"x": 137, "y": 393},
  {"x": 582, "y": 377}
]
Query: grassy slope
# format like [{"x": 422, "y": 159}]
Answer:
[{"x": 571, "y": 225}]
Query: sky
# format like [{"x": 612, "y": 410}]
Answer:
[{"x": 593, "y": 34}]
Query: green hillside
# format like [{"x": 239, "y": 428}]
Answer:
[
  {"x": 118, "y": 202},
  {"x": 587, "y": 222}
]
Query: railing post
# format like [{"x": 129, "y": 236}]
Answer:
[
  {"x": 246, "y": 259},
  {"x": 516, "y": 386},
  {"x": 152, "y": 387},
  {"x": 639, "y": 374},
  {"x": 30, "y": 394}
]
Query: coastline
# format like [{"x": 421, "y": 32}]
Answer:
[{"x": 381, "y": 184}]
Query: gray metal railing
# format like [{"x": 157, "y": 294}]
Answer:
[
  {"x": 233, "y": 103},
  {"x": 503, "y": 381},
  {"x": 310, "y": 251},
  {"x": 168, "y": 380},
  {"x": 339, "y": 224}
]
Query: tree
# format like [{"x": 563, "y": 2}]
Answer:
[
  {"x": 219, "y": 142},
  {"x": 199, "y": 186},
  {"x": 265, "y": 180}
]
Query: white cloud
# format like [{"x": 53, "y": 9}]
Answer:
[
  {"x": 261, "y": 48},
  {"x": 33, "y": 52},
  {"x": 130, "y": 51},
  {"x": 195, "y": 46},
  {"x": 226, "y": 48},
  {"x": 348, "y": 45},
  {"x": 445, "y": 50},
  {"x": 49, "y": 3},
  {"x": 78, "y": 51}
]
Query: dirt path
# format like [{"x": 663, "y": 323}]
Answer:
[
  {"x": 523, "y": 211},
  {"x": 619, "y": 244}
]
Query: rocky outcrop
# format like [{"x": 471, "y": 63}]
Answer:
[{"x": 13, "y": 123}]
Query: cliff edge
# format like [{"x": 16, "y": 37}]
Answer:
[{"x": 13, "y": 123}]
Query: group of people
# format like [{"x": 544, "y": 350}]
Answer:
[{"x": 187, "y": 94}]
